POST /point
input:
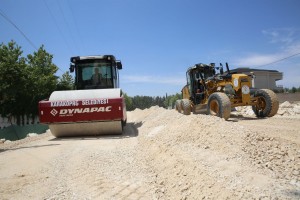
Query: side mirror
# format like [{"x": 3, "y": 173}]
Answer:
[
  {"x": 72, "y": 68},
  {"x": 119, "y": 65}
]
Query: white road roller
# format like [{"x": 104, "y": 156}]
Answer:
[{"x": 95, "y": 107}]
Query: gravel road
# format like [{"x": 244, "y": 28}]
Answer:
[{"x": 161, "y": 155}]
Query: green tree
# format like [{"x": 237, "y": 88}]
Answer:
[
  {"x": 128, "y": 102},
  {"x": 66, "y": 82},
  {"x": 171, "y": 99},
  {"x": 42, "y": 80},
  {"x": 294, "y": 89},
  {"x": 13, "y": 77}
]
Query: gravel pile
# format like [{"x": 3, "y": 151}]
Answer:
[
  {"x": 289, "y": 109},
  {"x": 201, "y": 156},
  {"x": 162, "y": 154},
  {"x": 280, "y": 158},
  {"x": 285, "y": 109}
]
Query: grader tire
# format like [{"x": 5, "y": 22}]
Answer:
[
  {"x": 219, "y": 105},
  {"x": 178, "y": 105},
  {"x": 268, "y": 103},
  {"x": 275, "y": 103},
  {"x": 186, "y": 106}
]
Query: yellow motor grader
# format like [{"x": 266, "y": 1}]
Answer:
[{"x": 217, "y": 93}]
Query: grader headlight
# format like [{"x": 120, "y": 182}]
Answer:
[{"x": 245, "y": 89}]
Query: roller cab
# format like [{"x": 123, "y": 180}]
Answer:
[{"x": 96, "y": 107}]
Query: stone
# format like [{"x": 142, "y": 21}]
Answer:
[
  {"x": 296, "y": 172},
  {"x": 293, "y": 182},
  {"x": 296, "y": 109},
  {"x": 281, "y": 112},
  {"x": 286, "y": 104},
  {"x": 32, "y": 134}
]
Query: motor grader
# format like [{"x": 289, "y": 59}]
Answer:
[
  {"x": 217, "y": 94},
  {"x": 95, "y": 107}
]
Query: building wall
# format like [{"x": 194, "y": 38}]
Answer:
[{"x": 265, "y": 79}]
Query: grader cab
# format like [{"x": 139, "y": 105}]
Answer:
[{"x": 217, "y": 93}]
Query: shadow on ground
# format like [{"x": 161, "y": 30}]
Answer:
[
  {"x": 236, "y": 118},
  {"x": 27, "y": 147}
]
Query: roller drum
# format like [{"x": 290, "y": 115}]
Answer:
[{"x": 86, "y": 128}]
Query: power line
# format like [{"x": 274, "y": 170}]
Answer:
[
  {"x": 28, "y": 40},
  {"x": 12, "y": 23},
  {"x": 60, "y": 31},
  {"x": 67, "y": 24},
  {"x": 76, "y": 26},
  {"x": 279, "y": 60}
]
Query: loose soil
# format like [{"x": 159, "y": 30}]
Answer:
[{"x": 162, "y": 154}]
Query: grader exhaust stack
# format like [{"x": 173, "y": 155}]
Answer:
[{"x": 96, "y": 107}]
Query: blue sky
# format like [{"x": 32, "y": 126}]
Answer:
[{"x": 158, "y": 40}]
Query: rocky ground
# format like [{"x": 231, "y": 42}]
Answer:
[{"x": 162, "y": 155}]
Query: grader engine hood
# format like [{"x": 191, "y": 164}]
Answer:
[{"x": 242, "y": 84}]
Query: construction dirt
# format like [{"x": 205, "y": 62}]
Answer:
[{"x": 162, "y": 154}]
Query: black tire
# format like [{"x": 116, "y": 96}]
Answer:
[
  {"x": 178, "y": 105},
  {"x": 267, "y": 105},
  {"x": 124, "y": 122},
  {"x": 219, "y": 105},
  {"x": 275, "y": 103},
  {"x": 186, "y": 106}
]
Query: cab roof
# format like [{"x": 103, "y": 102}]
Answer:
[{"x": 96, "y": 57}]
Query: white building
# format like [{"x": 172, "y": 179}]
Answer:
[{"x": 263, "y": 78}]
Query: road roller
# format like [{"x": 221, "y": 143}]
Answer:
[{"x": 96, "y": 106}]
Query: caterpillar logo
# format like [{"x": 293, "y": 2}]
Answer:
[{"x": 85, "y": 110}]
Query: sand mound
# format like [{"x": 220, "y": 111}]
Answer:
[
  {"x": 200, "y": 156},
  {"x": 285, "y": 109}
]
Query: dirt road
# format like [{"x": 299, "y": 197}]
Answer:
[{"x": 161, "y": 155}]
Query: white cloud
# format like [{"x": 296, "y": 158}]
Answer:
[
  {"x": 256, "y": 59},
  {"x": 286, "y": 42},
  {"x": 282, "y": 35}
]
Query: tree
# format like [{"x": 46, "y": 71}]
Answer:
[
  {"x": 13, "y": 76},
  {"x": 66, "y": 82},
  {"x": 170, "y": 100},
  {"x": 128, "y": 102},
  {"x": 143, "y": 102},
  {"x": 42, "y": 80},
  {"x": 24, "y": 81}
]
